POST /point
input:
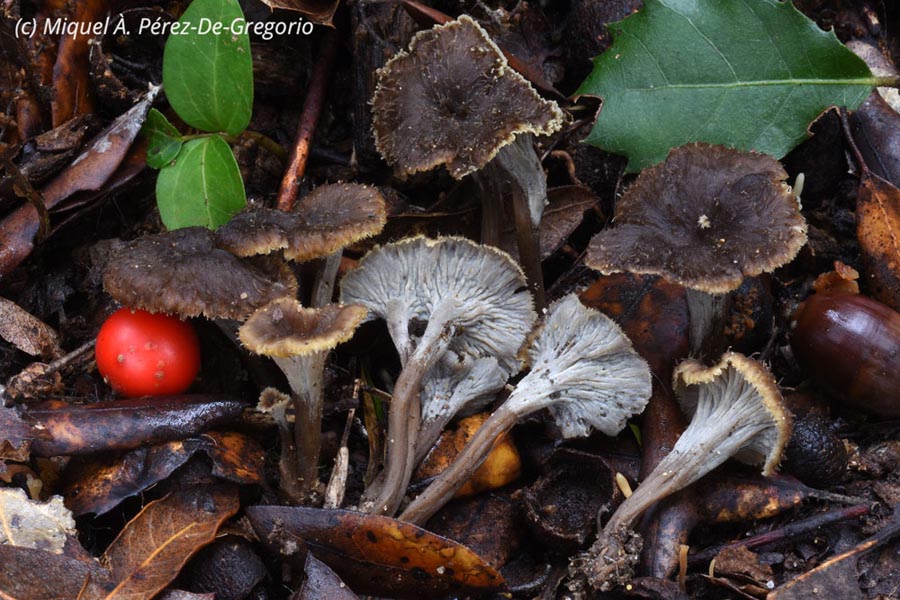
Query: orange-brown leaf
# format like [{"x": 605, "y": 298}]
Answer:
[
  {"x": 155, "y": 545},
  {"x": 878, "y": 230},
  {"x": 377, "y": 555}
]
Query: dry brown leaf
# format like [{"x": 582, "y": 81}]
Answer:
[
  {"x": 878, "y": 230},
  {"x": 564, "y": 213},
  {"x": 16, "y": 435},
  {"x": 28, "y": 574},
  {"x": 154, "y": 546},
  {"x": 100, "y": 485},
  {"x": 30, "y": 524},
  {"x": 374, "y": 554},
  {"x": 26, "y": 332}
]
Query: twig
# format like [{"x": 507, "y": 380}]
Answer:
[
  {"x": 790, "y": 530},
  {"x": 857, "y": 155},
  {"x": 309, "y": 117}
]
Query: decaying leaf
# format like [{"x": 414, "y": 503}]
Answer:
[
  {"x": 28, "y": 574},
  {"x": 99, "y": 486},
  {"x": 317, "y": 11},
  {"x": 501, "y": 466},
  {"x": 30, "y": 524},
  {"x": 878, "y": 230},
  {"x": 26, "y": 332},
  {"x": 564, "y": 213},
  {"x": 322, "y": 583},
  {"x": 152, "y": 548},
  {"x": 16, "y": 434},
  {"x": 374, "y": 554},
  {"x": 127, "y": 423}
]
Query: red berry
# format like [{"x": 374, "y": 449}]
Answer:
[{"x": 146, "y": 354}]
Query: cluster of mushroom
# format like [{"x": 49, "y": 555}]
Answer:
[
  {"x": 704, "y": 218},
  {"x": 236, "y": 274}
]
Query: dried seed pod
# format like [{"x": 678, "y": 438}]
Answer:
[{"x": 850, "y": 345}]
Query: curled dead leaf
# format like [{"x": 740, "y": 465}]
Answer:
[
  {"x": 878, "y": 231},
  {"x": 26, "y": 332}
]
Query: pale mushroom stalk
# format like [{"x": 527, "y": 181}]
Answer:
[
  {"x": 404, "y": 416},
  {"x": 583, "y": 369},
  {"x": 323, "y": 285},
  {"x": 519, "y": 164},
  {"x": 304, "y": 375}
]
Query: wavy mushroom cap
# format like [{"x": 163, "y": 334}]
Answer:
[
  {"x": 745, "y": 390},
  {"x": 284, "y": 328},
  {"x": 453, "y": 100},
  {"x": 584, "y": 370},
  {"x": 460, "y": 387},
  {"x": 329, "y": 218},
  {"x": 404, "y": 282},
  {"x": 182, "y": 272},
  {"x": 704, "y": 218}
]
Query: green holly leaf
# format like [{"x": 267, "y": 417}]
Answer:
[
  {"x": 207, "y": 67},
  {"x": 163, "y": 140},
  {"x": 751, "y": 74},
  {"x": 202, "y": 187}
]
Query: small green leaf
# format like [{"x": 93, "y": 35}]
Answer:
[
  {"x": 202, "y": 187},
  {"x": 751, "y": 74},
  {"x": 164, "y": 141},
  {"x": 208, "y": 77}
]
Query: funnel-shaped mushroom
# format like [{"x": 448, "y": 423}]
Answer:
[
  {"x": 298, "y": 339},
  {"x": 320, "y": 225},
  {"x": 453, "y": 100},
  {"x": 474, "y": 301},
  {"x": 455, "y": 387},
  {"x": 705, "y": 218},
  {"x": 181, "y": 272},
  {"x": 737, "y": 411},
  {"x": 583, "y": 369}
]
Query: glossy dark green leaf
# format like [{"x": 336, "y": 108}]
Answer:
[
  {"x": 207, "y": 67},
  {"x": 751, "y": 74},
  {"x": 202, "y": 187},
  {"x": 164, "y": 141}
]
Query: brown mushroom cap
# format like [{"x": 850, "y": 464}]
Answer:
[
  {"x": 284, "y": 328},
  {"x": 705, "y": 218},
  {"x": 453, "y": 100},
  {"x": 330, "y": 217},
  {"x": 735, "y": 372},
  {"x": 182, "y": 272}
]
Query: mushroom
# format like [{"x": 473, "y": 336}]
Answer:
[
  {"x": 455, "y": 387},
  {"x": 320, "y": 225},
  {"x": 737, "y": 411},
  {"x": 182, "y": 272},
  {"x": 453, "y": 100},
  {"x": 471, "y": 299},
  {"x": 583, "y": 369},
  {"x": 298, "y": 339},
  {"x": 705, "y": 218}
]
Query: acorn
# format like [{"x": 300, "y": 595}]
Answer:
[{"x": 850, "y": 345}]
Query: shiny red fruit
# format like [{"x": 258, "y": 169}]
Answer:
[{"x": 147, "y": 354}]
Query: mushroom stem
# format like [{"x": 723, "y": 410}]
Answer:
[
  {"x": 519, "y": 164},
  {"x": 405, "y": 413},
  {"x": 707, "y": 313},
  {"x": 304, "y": 375},
  {"x": 461, "y": 469},
  {"x": 287, "y": 463},
  {"x": 715, "y": 434},
  {"x": 491, "y": 208},
  {"x": 323, "y": 286}
]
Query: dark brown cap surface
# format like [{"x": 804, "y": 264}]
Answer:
[
  {"x": 705, "y": 218},
  {"x": 453, "y": 100},
  {"x": 181, "y": 272},
  {"x": 329, "y": 218}
]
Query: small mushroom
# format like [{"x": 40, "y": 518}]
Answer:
[
  {"x": 453, "y": 100},
  {"x": 321, "y": 224},
  {"x": 455, "y": 387},
  {"x": 181, "y": 272},
  {"x": 299, "y": 339},
  {"x": 737, "y": 411},
  {"x": 705, "y": 218},
  {"x": 471, "y": 299},
  {"x": 583, "y": 369}
]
